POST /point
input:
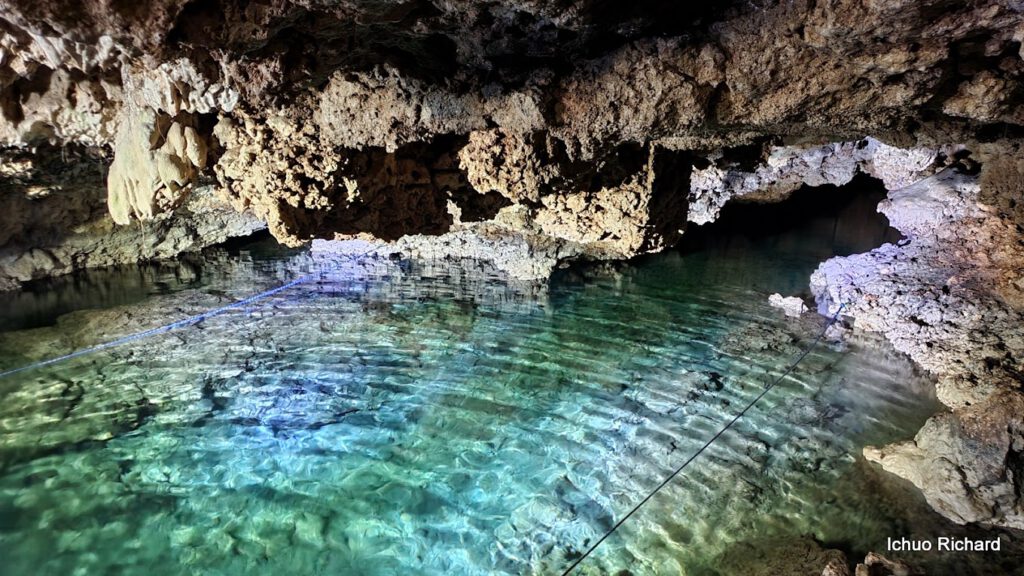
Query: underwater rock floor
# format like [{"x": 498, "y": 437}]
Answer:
[{"x": 410, "y": 419}]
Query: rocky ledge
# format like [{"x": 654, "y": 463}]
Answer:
[
  {"x": 531, "y": 133},
  {"x": 589, "y": 129},
  {"x": 951, "y": 296}
]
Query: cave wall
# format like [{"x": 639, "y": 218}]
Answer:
[
  {"x": 340, "y": 118},
  {"x": 535, "y": 131},
  {"x": 951, "y": 295},
  {"x": 55, "y": 218}
]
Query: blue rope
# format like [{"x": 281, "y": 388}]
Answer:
[
  {"x": 184, "y": 323},
  {"x": 706, "y": 444}
]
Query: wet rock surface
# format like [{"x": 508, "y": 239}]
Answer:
[
  {"x": 608, "y": 127},
  {"x": 791, "y": 305},
  {"x": 533, "y": 133},
  {"x": 56, "y": 219},
  {"x": 783, "y": 557},
  {"x": 949, "y": 296},
  {"x": 878, "y": 565}
]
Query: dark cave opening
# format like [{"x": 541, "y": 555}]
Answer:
[
  {"x": 820, "y": 221},
  {"x": 776, "y": 247}
]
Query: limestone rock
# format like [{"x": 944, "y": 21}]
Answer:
[
  {"x": 878, "y": 565},
  {"x": 352, "y": 108},
  {"x": 56, "y": 105},
  {"x": 521, "y": 256},
  {"x": 56, "y": 219},
  {"x": 918, "y": 210},
  {"x": 780, "y": 556},
  {"x": 836, "y": 567},
  {"x": 178, "y": 86},
  {"x": 156, "y": 160},
  {"x": 325, "y": 111},
  {"x": 515, "y": 165},
  {"x": 963, "y": 461},
  {"x": 787, "y": 168},
  {"x": 636, "y": 94},
  {"x": 986, "y": 96},
  {"x": 203, "y": 220},
  {"x": 948, "y": 299},
  {"x": 791, "y": 305},
  {"x": 900, "y": 167}
]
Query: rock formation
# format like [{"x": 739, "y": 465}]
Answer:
[
  {"x": 952, "y": 297},
  {"x": 535, "y": 132},
  {"x": 156, "y": 159},
  {"x": 792, "y": 306},
  {"x": 56, "y": 220},
  {"x": 605, "y": 127}
]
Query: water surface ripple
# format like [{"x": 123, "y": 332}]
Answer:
[{"x": 427, "y": 421}]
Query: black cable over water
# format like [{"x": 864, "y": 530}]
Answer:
[
  {"x": 707, "y": 444},
  {"x": 183, "y": 323}
]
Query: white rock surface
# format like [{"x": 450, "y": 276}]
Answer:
[
  {"x": 787, "y": 168},
  {"x": 948, "y": 299},
  {"x": 791, "y": 305}
]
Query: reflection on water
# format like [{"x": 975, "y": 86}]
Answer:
[
  {"x": 41, "y": 302},
  {"x": 404, "y": 418},
  {"x": 775, "y": 247}
]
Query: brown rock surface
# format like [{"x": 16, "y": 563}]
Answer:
[
  {"x": 56, "y": 220},
  {"x": 549, "y": 129},
  {"x": 551, "y": 104}
]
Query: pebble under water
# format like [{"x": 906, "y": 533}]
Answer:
[{"x": 410, "y": 418}]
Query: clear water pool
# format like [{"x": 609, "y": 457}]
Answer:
[{"x": 403, "y": 418}]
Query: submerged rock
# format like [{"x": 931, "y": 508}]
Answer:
[
  {"x": 791, "y": 305},
  {"x": 947, "y": 297},
  {"x": 782, "y": 557},
  {"x": 878, "y": 565}
]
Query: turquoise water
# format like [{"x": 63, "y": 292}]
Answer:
[{"x": 407, "y": 418}]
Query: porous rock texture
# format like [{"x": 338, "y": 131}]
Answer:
[
  {"x": 604, "y": 126},
  {"x": 532, "y": 132},
  {"x": 952, "y": 297},
  {"x": 55, "y": 218}
]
